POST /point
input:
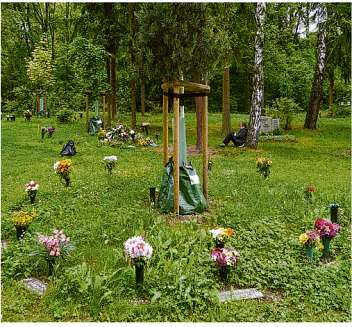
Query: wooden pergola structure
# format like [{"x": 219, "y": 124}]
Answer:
[{"x": 180, "y": 89}]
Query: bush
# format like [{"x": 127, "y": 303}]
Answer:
[
  {"x": 284, "y": 108},
  {"x": 66, "y": 115}
]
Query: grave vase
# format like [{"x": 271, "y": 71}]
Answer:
[
  {"x": 32, "y": 196},
  {"x": 309, "y": 252},
  {"x": 326, "y": 244},
  {"x": 333, "y": 214},
  {"x": 67, "y": 181},
  {"x": 223, "y": 273},
  {"x": 139, "y": 273},
  {"x": 51, "y": 261},
  {"x": 219, "y": 244}
]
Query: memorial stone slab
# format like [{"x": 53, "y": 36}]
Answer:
[
  {"x": 275, "y": 123},
  {"x": 265, "y": 124},
  {"x": 35, "y": 285},
  {"x": 4, "y": 244},
  {"x": 240, "y": 294}
]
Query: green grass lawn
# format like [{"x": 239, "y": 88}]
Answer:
[{"x": 95, "y": 282}]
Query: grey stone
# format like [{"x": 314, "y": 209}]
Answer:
[
  {"x": 35, "y": 285},
  {"x": 4, "y": 244},
  {"x": 275, "y": 123},
  {"x": 265, "y": 124},
  {"x": 240, "y": 294}
]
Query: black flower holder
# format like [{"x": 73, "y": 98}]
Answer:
[
  {"x": 139, "y": 267},
  {"x": 334, "y": 210},
  {"x": 21, "y": 231}
]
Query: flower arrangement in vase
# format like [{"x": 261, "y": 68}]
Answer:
[
  {"x": 309, "y": 240},
  {"x": 56, "y": 245},
  {"x": 31, "y": 188},
  {"x": 21, "y": 221},
  {"x": 327, "y": 231},
  {"x": 139, "y": 252},
  {"x": 221, "y": 235},
  {"x": 263, "y": 166},
  {"x": 63, "y": 169},
  {"x": 225, "y": 257}
]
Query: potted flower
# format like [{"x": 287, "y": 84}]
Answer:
[
  {"x": 327, "y": 231},
  {"x": 221, "y": 235},
  {"x": 55, "y": 245},
  {"x": 28, "y": 115},
  {"x": 138, "y": 251},
  {"x": 308, "y": 192},
  {"x": 224, "y": 258},
  {"x": 308, "y": 240},
  {"x": 31, "y": 188},
  {"x": 63, "y": 169},
  {"x": 22, "y": 220},
  {"x": 334, "y": 209},
  {"x": 263, "y": 166},
  {"x": 110, "y": 162},
  {"x": 50, "y": 130}
]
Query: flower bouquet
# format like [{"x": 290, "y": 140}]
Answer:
[
  {"x": 263, "y": 166},
  {"x": 50, "y": 130},
  {"x": 63, "y": 168},
  {"x": 56, "y": 245},
  {"x": 308, "y": 192},
  {"x": 308, "y": 240},
  {"x": 21, "y": 220},
  {"x": 224, "y": 258},
  {"x": 334, "y": 209},
  {"x": 101, "y": 134},
  {"x": 31, "y": 188},
  {"x": 110, "y": 162},
  {"x": 138, "y": 251},
  {"x": 221, "y": 235},
  {"x": 327, "y": 231}
]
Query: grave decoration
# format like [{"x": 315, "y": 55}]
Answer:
[
  {"x": 56, "y": 245},
  {"x": 263, "y": 166},
  {"x": 63, "y": 169},
  {"x": 47, "y": 130},
  {"x": 327, "y": 231},
  {"x": 334, "y": 210},
  {"x": 139, "y": 252},
  {"x": 27, "y": 115},
  {"x": 121, "y": 135},
  {"x": 309, "y": 240},
  {"x": 221, "y": 235},
  {"x": 109, "y": 163},
  {"x": 225, "y": 257},
  {"x": 308, "y": 192},
  {"x": 21, "y": 221},
  {"x": 31, "y": 188}
]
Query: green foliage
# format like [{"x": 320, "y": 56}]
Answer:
[
  {"x": 40, "y": 70},
  {"x": 65, "y": 115},
  {"x": 283, "y": 108}
]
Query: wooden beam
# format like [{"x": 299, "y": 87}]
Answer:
[
  {"x": 176, "y": 141},
  {"x": 190, "y": 87},
  {"x": 205, "y": 147},
  {"x": 165, "y": 129}
]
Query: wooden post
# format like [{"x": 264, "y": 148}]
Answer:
[
  {"x": 87, "y": 109},
  {"x": 38, "y": 104},
  {"x": 205, "y": 147},
  {"x": 103, "y": 118},
  {"x": 45, "y": 105},
  {"x": 165, "y": 128},
  {"x": 176, "y": 106},
  {"x": 109, "y": 111}
]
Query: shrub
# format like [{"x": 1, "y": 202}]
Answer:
[
  {"x": 284, "y": 108},
  {"x": 66, "y": 115}
]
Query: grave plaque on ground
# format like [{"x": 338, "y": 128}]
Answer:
[
  {"x": 4, "y": 244},
  {"x": 35, "y": 285},
  {"x": 249, "y": 293},
  {"x": 265, "y": 124}
]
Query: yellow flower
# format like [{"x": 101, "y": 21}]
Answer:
[
  {"x": 228, "y": 232},
  {"x": 23, "y": 218},
  {"x": 319, "y": 246},
  {"x": 303, "y": 238}
]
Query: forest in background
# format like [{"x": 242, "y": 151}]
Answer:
[{"x": 127, "y": 49}]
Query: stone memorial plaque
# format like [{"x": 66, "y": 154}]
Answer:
[
  {"x": 240, "y": 294},
  {"x": 275, "y": 123},
  {"x": 35, "y": 285},
  {"x": 265, "y": 124},
  {"x": 4, "y": 244}
]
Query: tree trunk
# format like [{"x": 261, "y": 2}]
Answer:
[
  {"x": 316, "y": 94},
  {"x": 199, "y": 109},
  {"x": 133, "y": 103},
  {"x": 258, "y": 79},
  {"x": 113, "y": 85},
  {"x": 331, "y": 92},
  {"x": 226, "y": 116},
  {"x": 142, "y": 96}
]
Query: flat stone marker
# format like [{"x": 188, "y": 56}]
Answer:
[
  {"x": 35, "y": 285},
  {"x": 4, "y": 244},
  {"x": 249, "y": 293}
]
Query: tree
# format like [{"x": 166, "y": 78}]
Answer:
[
  {"x": 258, "y": 79},
  {"x": 316, "y": 95}
]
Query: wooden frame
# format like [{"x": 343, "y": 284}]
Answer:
[
  {"x": 87, "y": 94},
  {"x": 177, "y": 88}
]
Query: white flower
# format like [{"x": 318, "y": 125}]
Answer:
[
  {"x": 136, "y": 247},
  {"x": 215, "y": 232},
  {"x": 110, "y": 158},
  {"x": 56, "y": 165}
]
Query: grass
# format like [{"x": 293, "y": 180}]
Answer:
[{"x": 95, "y": 282}]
